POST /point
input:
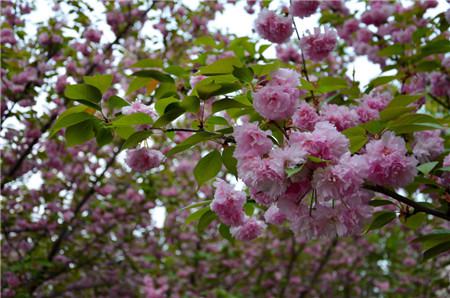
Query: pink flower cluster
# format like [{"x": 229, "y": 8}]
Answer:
[
  {"x": 273, "y": 27},
  {"x": 143, "y": 159},
  {"x": 228, "y": 205},
  {"x": 428, "y": 145},
  {"x": 138, "y": 107},
  {"x": 280, "y": 97},
  {"x": 304, "y": 8},
  {"x": 319, "y": 45}
]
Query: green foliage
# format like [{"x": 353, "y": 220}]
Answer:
[
  {"x": 208, "y": 167},
  {"x": 380, "y": 219},
  {"x": 101, "y": 82},
  {"x": 79, "y": 133},
  {"x": 132, "y": 119},
  {"x": 84, "y": 93}
]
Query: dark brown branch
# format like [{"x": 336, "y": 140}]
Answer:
[{"x": 417, "y": 206}]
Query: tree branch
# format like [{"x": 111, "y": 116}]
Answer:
[{"x": 417, "y": 206}]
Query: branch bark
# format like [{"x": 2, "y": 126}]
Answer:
[{"x": 417, "y": 206}]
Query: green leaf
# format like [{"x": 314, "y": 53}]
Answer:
[
  {"x": 249, "y": 208},
  {"x": 84, "y": 93},
  {"x": 132, "y": 119},
  {"x": 263, "y": 48},
  {"x": 434, "y": 238},
  {"x": 172, "y": 112},
  {"x": 136, "y": 138},
  {"x": 415, "y": 221},
  {"x": 103, "y": 136},
  {"x": 205, "y": 220},
  {"x": 154, "y": 74},
  {"x": 191, "y": 104},
  {"x": 191, "y": 141},
  {"x": 436, "y": 250},
  {"x": 208, "y": 167},
  {"x": 437, "y": 46},
  {"x": 220, "y": 67},
  {"x": 244, "y": 74},
  {"x": 226, "y": 104},
  {"x": 176, "y": 70},
  {"x": 381, "y": 219},
  {"x": 357, "y": 137},
  {"x": 198, "y": 204},
  {"x": 116, "y": 102},
  {"x": 166, "y": 90},
  {"x": 205, "y": 40},
  {"x": 265, "y": 69},
  {"x": 394, "y": 112},
  {"x": 217, "y": 120},
  {"x": 445, "y": 169},
  {"x": 79, "y": 133},
  {"x": 101, "y": 82},
  {"x": 124, "y": 131},
  {"x": 292, "y": 171},
  {"x": 307, "y": 85},
  {"x": 316, "y": 159},
  {"x": 374, "y": 126},
  {"x": 426, "y": 168},
  {"x": 396, "y": 49},
  {"x": 380, "y": 202},
  {"x": 138, "y": 83},
  {"x": 69, "y": 120},
  {"x": 216, "y": 85},
  {"x": 197, "y": 215},
  {"x": 328, "y": 84},
  {"x": 403, "y": 100},
  {"x": 229, "y": 161},
  {"x": 380, "y": 81},
  {"x": 224, "y": 231},
  {"x": 147, "y": 63},
  {"x": 162, "y": 103}
]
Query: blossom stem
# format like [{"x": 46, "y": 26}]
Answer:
[{"x": 417, "y": 206}]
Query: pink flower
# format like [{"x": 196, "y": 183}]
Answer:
[
  {"x": 195, "y": 80},
  {"x": 341, "y": 181},
  {"x": 138, "y": 107},
  {"x": 143, "y": 159},
  {"x": 273, "y": 27},
  {"x": 439, "y": 84},
  {"x": 228, "y": 204},
  {"x": 341, "y": 116},
  {"x": 319, "y": 45},
  {"x": 274, "y": 216},
  {"x": 428, "y": 145},
  {"x": 365, "y": 113},
  {"x": 376, "y": 101},
  {"x": 324, "y": 142},
  {"x": 305, "y": 117},
  {"x": 348, "y": 28},
  {"x": 251, "y": 229},
  {"x": 263, "y": 175},
  {"x": 388, "y": 163},
  {"x": 93, "y": 35},
  {"x": 285, "y": 77},
  {"x": 276, "y": 102},
  {"x": 404, "y": 36},
  {"x": 378, "y": 13},
  {"x": 288, "y": 54},
  {"x": 250, "y": 141},
  {"x": 304, "y": 8}
]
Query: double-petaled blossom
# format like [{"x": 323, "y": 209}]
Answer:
[
  {"x": 428, "y": 145},
  {"x": 342, "y": 117},
  {"x": 273, "y": 27},
  {"x": 279, "y": 98},
  {"x": 318, "y": 46},
  {"x": 251, "y": 229},
  {"x": 274, "y": 216},
  {"x": 143, "y": 159},
  {"x": 324, "y": 142},
  {"x": 388, "y": 162},
  {"x": 341, "y": 181},
  {"x": 228, "y": 204},
  {"x": 251, "y": 141},
  {"x": 304, "y": 8},
  {"x": 305, "y": 117}
]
